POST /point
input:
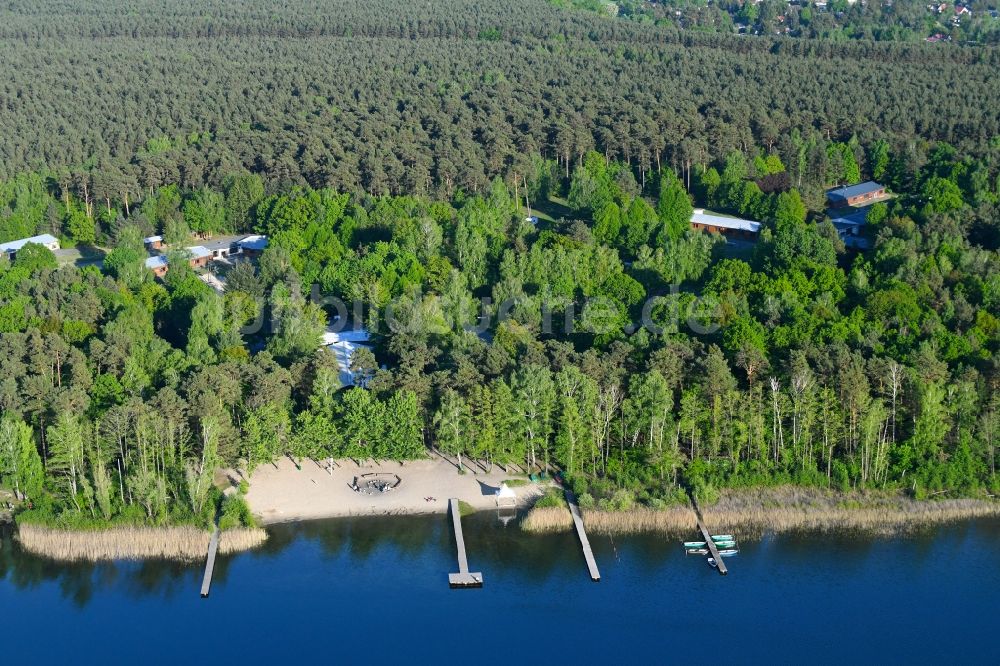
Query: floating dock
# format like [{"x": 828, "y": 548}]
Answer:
[
  {"x": 463, "y": 578},
  {"x": 588, "y": 554},
  {"x": 213, "y": 549},
  {"x": 709, "y": 542}
]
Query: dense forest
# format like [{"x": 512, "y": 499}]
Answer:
[
  {"x": 395, "y": 98},
  {"x": 609, "y": 339}
]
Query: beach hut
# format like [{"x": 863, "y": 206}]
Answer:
[{"x": 505, "y": 496}]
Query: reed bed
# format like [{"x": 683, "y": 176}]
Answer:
[
  {"x": 240, "y": 539},
  {"x": 673, "y": 520},
  {"x": 185, "y": 543},
  {"x": 782, "y": 509},
  {"x": 542, "y": 519},
  {"x": 788, "y": 508}
]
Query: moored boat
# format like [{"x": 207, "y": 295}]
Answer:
[
  {"x": 722, "y": 537},
  {"x": 712, "y": 563},
  {"x": 728, "y": 552},
  {"x": 694, "y": 544}
]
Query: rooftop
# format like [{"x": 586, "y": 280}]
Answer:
[
  {"x": 254, "y": 243},
  {"x": 845, "y": 193},
  {"x": 855, "y": 218},
  {"x": 153, "y": 239},
  {"x": 343, "y": 341},
  {"x": 222, "y": 242},
  {"x": 700, "y": 216},
  {"x": 199, "y": 252},
  {"x": 159, "y": 261},
  {"x": 14, "y": 246}
]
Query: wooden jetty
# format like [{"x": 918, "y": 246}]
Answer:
[
  {"x": 588, "y": 554},
  {"x": 463, "y": 578},
  {"x": 213, "y": 549},
  {"x": 709, "y": 543}
]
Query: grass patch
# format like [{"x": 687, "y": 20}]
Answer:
[{"x": 516, "y": 483}]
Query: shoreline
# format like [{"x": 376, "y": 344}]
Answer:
[
  {"x": 748, "y": 513},
  {"x": 282, "y": 493}
]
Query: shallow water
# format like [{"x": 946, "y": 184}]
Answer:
[{"x": 374, "y": 591}]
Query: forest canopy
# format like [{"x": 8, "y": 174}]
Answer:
[{"x": 391, "y": 97}]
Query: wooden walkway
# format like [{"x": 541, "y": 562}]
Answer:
[
  {"x": 213, "y": 549},
  {"x": 588, "y": 554},
  {"x": 709, "y": 543},
  {"x": 463, "y": 578}
]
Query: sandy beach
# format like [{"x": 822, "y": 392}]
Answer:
[{"x": 281, "y": 493}]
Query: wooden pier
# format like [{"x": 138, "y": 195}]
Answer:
[
  {"x": 213, "y": 549},
  {"x": 463, "y": 578},
  {"x": 709, "y": 543},
  {"x": 588, "y": 554}
]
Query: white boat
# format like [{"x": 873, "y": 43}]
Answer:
[
  {"x": 712, "y": 563},
  {"x": 728, "y": 552}
]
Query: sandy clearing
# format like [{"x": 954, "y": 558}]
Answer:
[{"x": 281, "y": 493}]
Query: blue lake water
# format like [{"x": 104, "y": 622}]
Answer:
[{"x": 374, "y": 591}]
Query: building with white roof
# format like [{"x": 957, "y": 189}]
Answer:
[
  {"x": 46, "y": 240},
  {"x": 253, "y": 245},
  {"x": 157, "y": 264},
  {"x": 200, "y": 255},
  {"x": 343, "y": 344},
  {"x": 722, "y": 224}
]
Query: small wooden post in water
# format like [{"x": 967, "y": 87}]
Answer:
[
  {"x": 588, "y": 554},
  {"x": 463, "y": 578},
  {"x": 213, "y": 549}
]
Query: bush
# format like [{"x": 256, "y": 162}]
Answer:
[
  {"x": 516, "y": 483},
  {"x": 244, "y": 487},
  {"x": 706, "y": 493},
  {"x": 621, "y": 500},
  {"x": 578, "y": 484},
  {"x": 553, "y": 497},
  {"x": 586, "y": 501},
  {"x": 236, "y": 513}
]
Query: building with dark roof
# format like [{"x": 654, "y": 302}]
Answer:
[
  {"x": 850, "y": 227},
  {"x": 853, "y": 195}
]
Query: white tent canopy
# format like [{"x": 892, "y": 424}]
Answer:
[{"x": 505, "y": 496}]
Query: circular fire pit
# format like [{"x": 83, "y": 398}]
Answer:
[{"x": 376, "y": 484}]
